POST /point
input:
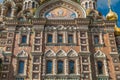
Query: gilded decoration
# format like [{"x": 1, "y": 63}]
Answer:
[{"x": 61, "y": 13}]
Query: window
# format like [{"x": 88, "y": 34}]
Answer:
[
  {"x": 71, "y": 66},
  {"x": 100, "y": 67},
  {"x": 96, "y": 39},
  {"x": 70, "y": 38},
  {"x": 24, "y": 39},
  {"x": 0, "y": 64},
  {"x": 86, "y": 5},
  {"x": 60, "y": 38},
  {"x": 49, "y": 38},
  {"x": 60, "y": 67},
  {"x": 9, "y": 11},
  {"x": 49, "y": 67},
  {"x": 33, "y": 5},
  {"x": 25, "y": 5},
  {"x": 94, "y": 5},
  {"x": 21, "y": 67}
]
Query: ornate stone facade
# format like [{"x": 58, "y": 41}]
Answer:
[{"x": 57, "y": 40}]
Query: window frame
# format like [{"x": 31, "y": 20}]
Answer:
[
  {"x": 69, "y": 37},
  {"x": 51, "y": 38},
  {"x": 23, "y": 67},
  {"x": 58, "y": 39},
  {"x": 73, "y": 66},
  {"x": 58, "y": 70},
  {"x": 51, "y": 67}
]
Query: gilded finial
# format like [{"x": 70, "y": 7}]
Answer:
[{"x": 109, "y": 3}]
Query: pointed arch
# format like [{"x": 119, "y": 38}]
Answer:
[
  {"x": 9, "y": 6},
  {"x": 99, "y": 54},
  {"x": 72, "y": 53},
  {"x": 22, "y": 53},
  {"x": 49, "y": 53},
  {"x": 19, "y": 9},
  {"x": 61, "y": 53},
  {"x": 12, "y": 3}
]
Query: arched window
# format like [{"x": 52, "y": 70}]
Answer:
[
  {"x": 33, "y": 5},
  {"x": 25, "y": 5},
  {"x": 0, "y": 64},
  {"x": 21, "y": 67},
  {"x": 49, "y": 67},
  {"x": 96, "y": 39},
  {"x": 24, "y": 39},
  {"x": 90, "y": 4},
  {"x": 86, "y": 5},
  {"x": 9, "y": 11},
  {"x": 94, "y": 5},
  {"x": 29, "y": 4},
  {"x": 60, "y": 67},
  {"x": 100, "y": 67},
  {"x": 71, "y": 67}
]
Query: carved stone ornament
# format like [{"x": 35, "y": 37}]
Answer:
[
  {"x": 99, "y": 54},
  {"x": 22, "y": 54}
]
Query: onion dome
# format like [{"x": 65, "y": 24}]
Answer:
[
  {"x": 117, "y": 30},
  {"x": 112, "y": 16}
]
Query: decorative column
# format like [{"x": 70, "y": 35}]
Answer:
[
  {"x": 75, "y": 37},
  {"x": 43, "y": 67},
  {"x": 2, "y": 11},
  {"x": 66, "y": 37},
  {"x": 40, "y": 67},
  {"x": 77, "y": 67},
  {"x": 54, "y": 67},
  {"x": 101, "y": 38},
  {"x": 106, "y": 69},
  {"x": 66, "y": 66},
  {"x": 13, "y": 12},
  {"x": 55, "y": 37}
]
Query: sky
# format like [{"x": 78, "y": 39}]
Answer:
[{"x": 102, "y": 6}]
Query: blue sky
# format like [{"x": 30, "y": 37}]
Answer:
[{"x": 103, "y": 7}]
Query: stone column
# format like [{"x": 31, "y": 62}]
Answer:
[
  {"x": 77, "y": 67},
  {"x": 55, "y": 37},
  {"x": 13, "y": 12},
  {"x": 101, "y": 38},
  {"x": 54, "y": 67},
  {"x": 43, "y": 67},
  {"x": 40, "y": 68},
  {"x": 2, "y": 11},
  {"x": 66, "y": 37},
  {"x": 66, "y": 66},
  {"x": 106, "y": 69}
]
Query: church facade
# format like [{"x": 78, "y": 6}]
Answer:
[{"x": 58, "y": 40}]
